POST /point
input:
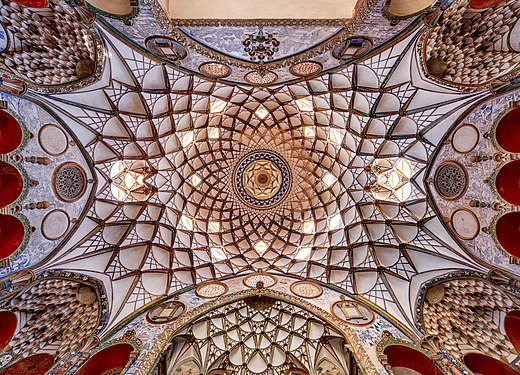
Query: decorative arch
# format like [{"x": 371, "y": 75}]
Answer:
[
  {"x": 72, "y": 308},
  {"x": 450, "y": 46},
  {"x": 473, "y": 323},
  {"x": 168, "y": 335}
]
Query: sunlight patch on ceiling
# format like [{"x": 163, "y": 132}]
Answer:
[{"x": 269, "y": 9}]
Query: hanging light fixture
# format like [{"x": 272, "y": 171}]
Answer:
[{"x": 261, "y": 46}]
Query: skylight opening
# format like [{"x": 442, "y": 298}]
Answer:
[
  {"x": 218, "y": 253},
  {"x": 218, "y": 106},
  {"x": 303, "y": 253},
  {"x": 187, "y": 222},
  {"x": 261, "y": 112},
  {"x": 329, "y": 179},
  {"x": 214, "y": 226},
  {"x": 304, "y": 105},
  {"x": 309, "y": 227},
  {"x": 213, "y": 132},
  {"x": 261, "y": 247},
  {"x": 335, "y": 222},
  {"x": 187, "y": 138},
  {"x": 195, "y": 180}
]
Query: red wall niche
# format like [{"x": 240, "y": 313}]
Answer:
[
  {"x": 37, "y": 364},
  {"x": 11, "y": 184},
  {"x": 8, "y": 323},
  {"x": 10, "y": 133},
  {"x": 512, "y": 327},
  {"x": 507, "y": 230},
  {"x": 507, "y": 132},
  {"x": 12, "y": 234},
  {"x": 403, "y": 356},
  {"x": 507, "y": 182},
  {"x": 484, "y": 365},
  {"x": 113, "y": 357}
]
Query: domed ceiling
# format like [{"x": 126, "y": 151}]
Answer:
[{"x": 323, "y": 173}]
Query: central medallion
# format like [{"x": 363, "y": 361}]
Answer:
[{"x": 262, "y": 179}]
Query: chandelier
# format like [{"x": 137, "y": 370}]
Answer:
[{"x": 260, "y": 46}]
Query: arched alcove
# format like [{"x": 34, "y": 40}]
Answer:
[
  {"x": 507, "y": 131},
  {"x": 507, "y": 231},
  {"x": 482, "y": 364},
  {"x": 290, "y": 335},
  {"x": 11, "y": 184},
  {"x": 512, "y": 327},
  {"x": 12, "y": 233},
  {"x": 473, "y": 323},
  {"x": 404, "y": 8},
  {"x": 408, "y": 361},
  {"x": 507, "y": 182},
  {"x": 37, "y": 364},
  {"x": 10, "y": 133},
  {"x": 8, "y": 323},
  {"x": 112, "y": 358}
]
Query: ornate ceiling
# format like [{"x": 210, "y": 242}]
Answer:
[{"x": 183, "y": 171}]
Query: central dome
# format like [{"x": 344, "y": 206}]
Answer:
[{"x": 262, "y": 179}]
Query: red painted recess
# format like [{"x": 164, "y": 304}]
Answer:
[
  {"x": 484, "y": 365},
  {"x": 512, "y": 327},
  {"x": 507, "y": 182},
  {"x": 507, "y": 132},
  {"x": 113, "y": 357},
  {"x": 32, "y": 3},
  {"x": 8, "y": 322},
  {"x": 12, "y": 233},
  {"x": 11, "y": 184},
  {"x": 483, "y": 4},
  {"x": 403, "y": 356},
  {"x": 10, "y": 133},
  {"x": 507, "y": 231},
  {"x": 37, "y": 364}
]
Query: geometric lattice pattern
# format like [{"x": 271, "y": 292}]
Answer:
[
  {"x": 260, "y": 335},
  {"x": 188, "y": 134}
]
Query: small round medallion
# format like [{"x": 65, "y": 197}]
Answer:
[
  {"x": 306, "y": 69},
  {"x": 215, "y": 70},
  {"x": 465, "y": 139},
  {"x": 262, "y": 179},
  {"x": 451, "y": 180},
  {"x": 260, "y": 280},
  {"x": 306, "y": 289},
  {"x": 211, "y": 289},
  {"x": 69, "y": 182},
  {"x": 465, "y": 223},
  {"x": 55, "y": 224}
]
